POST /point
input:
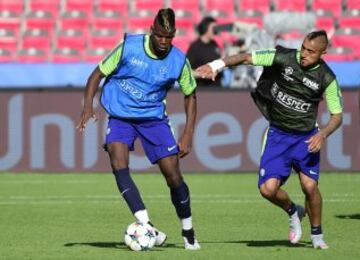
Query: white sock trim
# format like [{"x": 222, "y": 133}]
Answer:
[
  {"x": 142, "y": 216},
  {"x": 186, "y": 223}
]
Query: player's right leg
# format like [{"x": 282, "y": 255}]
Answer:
[
  {"x": 119, "y": 141},
  {"x": 180, "y": 197},
  {"x": 275, "y": 168}
]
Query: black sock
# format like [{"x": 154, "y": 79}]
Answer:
[
  {"x": 292, "y": 209},
  {"x": 180, "y": 197},
  {"x": 189, "y": 234},
  {"x": 316, "y": 230},
  {"x": 128, "y": 190}
]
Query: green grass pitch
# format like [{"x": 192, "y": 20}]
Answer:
[{"x": 82, "y": 216}]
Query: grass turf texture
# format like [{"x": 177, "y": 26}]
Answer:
[{"x": 82, "y": 216}]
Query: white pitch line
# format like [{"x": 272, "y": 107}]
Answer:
[{"x": 154, "y": 201}]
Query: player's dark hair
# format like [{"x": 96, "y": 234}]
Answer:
[
  {"x": 204, "y": 24},
  {"x": 316, "y": 34},
  {"x": 166, "y": 19}
]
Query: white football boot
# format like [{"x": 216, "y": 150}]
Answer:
[
  {"x": 160, "y": 238},
  {"x": 189, "y": 240},
  {"x": 318, "y": 242},
  {"x": 295, "y": 231}
]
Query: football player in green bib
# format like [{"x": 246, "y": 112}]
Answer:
[{"x": 288, "y": 94}]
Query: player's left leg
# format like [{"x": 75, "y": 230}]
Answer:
[
  {"x": 180, "y": 197},
  {"x": 160, "y": 147},
  {"x": 313, "y": 201}
]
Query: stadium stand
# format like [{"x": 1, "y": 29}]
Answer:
[
  {"x": 262, "y": 6},
  {"x": 36, "y": 38},
  {"x": 52, "y": 6},
  {"x": 334, "y": 6},
  {"x": 223, "y": 11},
  {"x": 146, "y": 7},
  {"x": 62, "y": 55},
  {"x": 294, "y": 5},
  {"x": 25, "y": 24},
  {"x": 6, "y": 55},
  {"x": 350, "y": 18},
  {"x": 120, "y": 6},
  {"x": 352, "y": 4},
  {"x": 15, "y": 6},
  {"x": 33, "y": 55}
]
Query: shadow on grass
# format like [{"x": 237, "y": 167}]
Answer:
[
  {"x": 117, "y": 245},
  {"x": 263, "y": 243},
  {"x": 349, "y": 216}
]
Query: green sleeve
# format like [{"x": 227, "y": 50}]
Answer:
[
  {"x": 187, "y": 80},
  {"x": 333, "y": 98},
  {"x": 110, "y": 62},
  {"x": 263, "y": 57}
]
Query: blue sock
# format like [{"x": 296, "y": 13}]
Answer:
[
  {"x": 316, "y": 230},
  {"x": 180, "y": 197},
  {"x": 128, "y": 190}
]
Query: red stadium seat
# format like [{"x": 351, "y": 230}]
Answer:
[
  {"x": 146, "y": 7},
  {"x": 52, "y": 6},
  {"x": 325, "y": 22},
  {"x": 33, "y": 55},
  {"x": 36, "y": 38},
  {"x": 105, "y": 38},
  {"x": 6, "y": 55},
  {"x": 334, "y": 6},
  {"x": 216, "y": 8},
  {"x": 75, "y": 20},
  {"x": 85, "y": 6},
  {"x": 108, "y": 20},
  {"x": 346, "y": 37},
  {"x": 95, "y": 55},
  {"x": 189, "y": 9},
  {"x": 262, "y": 6},
  {"x": 10, "y": 20},
  {"x": 293, "y": 5},
  {"x": 71, "y": 38},
  {"x": 136, "y": 24},
  {"x": 8, "y": 39},
  {"x": 40, "y": 20},
  {"x": 182, "y": 42},
  {"x": 353, "y": 4},
  {"x": 65, "y": 55},
  {"x": 120, "y": 6},
  {"x": 252, "y": 17},
  {"x": 339, "y": 54},
  {"x": 350, "y": 19},
  {"x": 15, "y": 6}
]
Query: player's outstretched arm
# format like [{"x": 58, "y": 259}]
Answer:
[
  {"x": 185, "y": 142},
  {"x": 211, "y": 69},
  {"x": 92, "y": 85}
]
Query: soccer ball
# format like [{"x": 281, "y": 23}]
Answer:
[{"x": 140, "y": 236}]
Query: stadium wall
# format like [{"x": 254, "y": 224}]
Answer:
[{"x": 37, "y": 133}]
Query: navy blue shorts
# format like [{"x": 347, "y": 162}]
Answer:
[
  {"x": 284, "y": 151},
  {"x": 156, "y": 136}
]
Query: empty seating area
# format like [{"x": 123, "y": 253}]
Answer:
[{"x": 85, "y": 30}]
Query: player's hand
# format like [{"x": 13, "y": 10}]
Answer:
[
  {"x": 84, "y": 118},
  {"x": 316, "y": 142},
  {"x": 185, "y": 145},
  {"x": 205, "y": 72}
]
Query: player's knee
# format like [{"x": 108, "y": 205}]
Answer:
[
  {"x": 267, "y": 192},
  {"x": 118, "y": 164},
  {"x": 309, "y": 188},
  {"x": 174, "y": 180}
]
